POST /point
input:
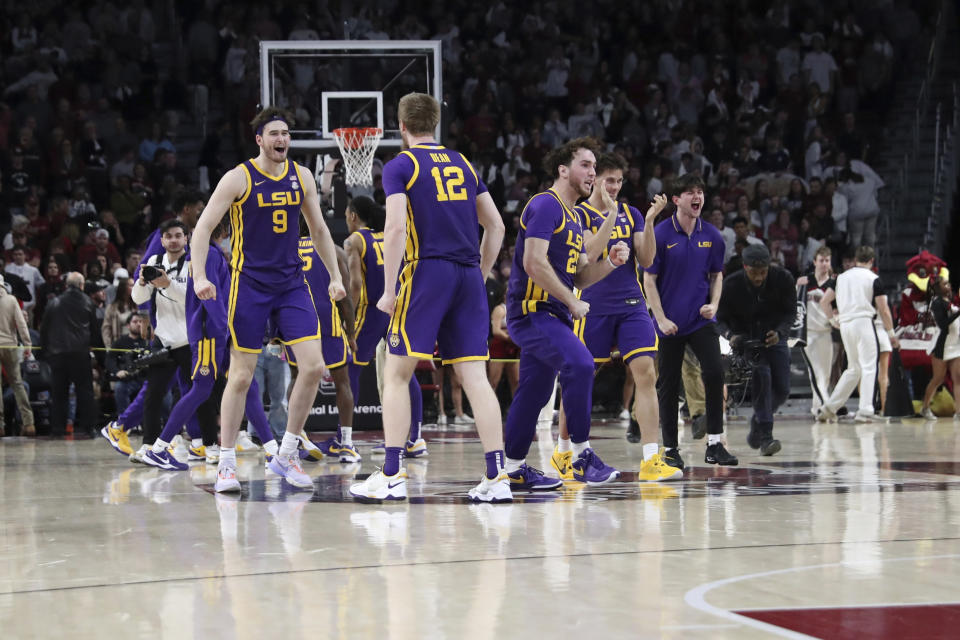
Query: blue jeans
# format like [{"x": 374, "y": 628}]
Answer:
[
  {"x": 770, "y": 385},
  {"x": 273, "y": 374},
  {"x": 124, "y": 393}
]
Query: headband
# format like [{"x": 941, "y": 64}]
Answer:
[{"x": 274, "y": 119}]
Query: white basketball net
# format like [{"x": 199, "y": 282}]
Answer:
[{"x": 357, "y": 146}]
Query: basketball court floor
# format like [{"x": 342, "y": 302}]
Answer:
[{"x": 853, "y": 531}]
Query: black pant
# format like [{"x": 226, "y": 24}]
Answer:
[
  {"x": 706, "y": 346},
  {"x": 65, "y": 368},
  {"x": 158, "y": 379}
]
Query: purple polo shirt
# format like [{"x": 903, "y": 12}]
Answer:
[{"x": 682, "y": 265}]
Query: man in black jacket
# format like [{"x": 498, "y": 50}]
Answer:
[
  {"x": 757, "y": 308},
  {"x": 68, "y": 330}
]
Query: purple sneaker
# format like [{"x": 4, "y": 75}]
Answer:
[
  {"x": 530, "y": 479},
  {"x": 164, "y": 460},
  {"x": 589, "y": 468}
]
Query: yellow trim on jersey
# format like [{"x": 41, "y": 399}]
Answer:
[
  {"x": 432, "y": 145},
  {"x": 578, "y": 327},
  {"x": 465, "y": 359},
  {"x": 236, "y": 261},
  {"x": 249, "y": 188},
  {"x": 296, "y": 169},
  {"x": 654, "y": 348},
  {"x": 286, "y": 168},
  {"x": 633, "y": 223},
  {"x": 288, "y": 354},
  {"x": 336, "y": 326},
  {"x": 303, "y": 339},
  {"x": 416, "y": 169},
  {"x": 213, "y": 355},
  {"x": 472, "y": 170},
  {"x": 413, "y": 240},
  {"x": 523, "y": 225},
  {"x": 363, "y": 242},
  {"x": 398, "y": 324},
  {"x": 601, "y": 360},
  {"x": 343, "y": 360}
]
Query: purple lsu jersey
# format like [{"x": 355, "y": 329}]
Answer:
[
  {"x": 319, "y": 280},
  {"x": 371, "y": 274},
  {"x": 265, "y": 224},
  {"x": 441, "y": 188},
  {"x": 208, "y": 318},
  {"x": 611, "y": 295},
  {"x": 545, "y": 217}
]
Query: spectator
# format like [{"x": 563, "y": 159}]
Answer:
[
  {"x": 27, "y": 272},
  {"x": 787, "y": 236},
  {"x": 38, "y": 225},
  {"x": 12, "y": 327},
  {"x": 820, "y": 67},
  {"x": 718, "y": 219},
  {"x": 155, "y": 141},
  {"x": 118, "y": 363},
  {"x": 117, "y": 312},
  {"x": 68, "y": 330},
  {"x": 861, "y": 192},
  {"x": 53, "y": 285},
  {"x": 98, "y": 244},
  {"x": 838, "y": 206}
]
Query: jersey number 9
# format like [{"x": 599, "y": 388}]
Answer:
[
  {"x": 279, "y": 220},
  {"x": 450, "y": 187}
]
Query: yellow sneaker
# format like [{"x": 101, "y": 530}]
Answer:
[
  {"x": 117, "y": 438},
  {"x": 655, "y": 470},
  {"x": 563, "y": 463}
]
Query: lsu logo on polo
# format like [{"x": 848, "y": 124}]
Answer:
[{"x": 705, "y": 244}]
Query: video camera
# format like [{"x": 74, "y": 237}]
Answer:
[{"x": 142, "y": 360}]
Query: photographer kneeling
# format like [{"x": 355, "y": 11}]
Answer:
[{"x": 757, "y": 309}]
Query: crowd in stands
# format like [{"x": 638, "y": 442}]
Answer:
[{"x": 776, "y": 104}]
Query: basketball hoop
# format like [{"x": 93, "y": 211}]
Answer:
[{"x": 357, "y": 146}]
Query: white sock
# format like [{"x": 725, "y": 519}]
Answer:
[
  {"x": 563, "y": 445},
  {"x": 346, "y": 436},
  {"x": 228, "y": 457},
  {"x": 649, "y": 450},
  {"x": 288, "y": 446},
  {"x": 271, "y": 447},
  {"x": 580, "y": 447},
  {"x": 512, "y": 465},
  {"x": 714, "y": 438},
  {"x": 196, "y": 442},
  {"x": 159, "y": 446}
]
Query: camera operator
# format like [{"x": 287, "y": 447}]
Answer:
[
  {"x": 120, "y": 363},
  {"x": 163, "y": 280},
  {"x": 757, "y": 309}
]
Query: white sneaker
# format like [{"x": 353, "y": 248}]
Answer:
[
  {"x": 226, "y": 480},
  {"x": 291, "y": 471},
  {"x": 212, "y": 454},
  {"x": 442, "y": 419},
  {"x": 624, "y": 415},
  {"x": 869, "y": 417},
  {"x": 245, "y": 444},
  {"x": 381, "y": 487},
  {"x": 928, "y": 414},
  {"x": 137, "y": 456},
  {"x": 464, "y": 419},
  {"x": 492, "y": 490}
]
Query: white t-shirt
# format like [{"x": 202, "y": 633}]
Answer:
[
  {"x": 31, "y": 275},
  {"x": 820, "y": 65},
  {"x": 856, "y": 289}
]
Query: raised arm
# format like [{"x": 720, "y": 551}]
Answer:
[
  {"x": 595, "y": 243},
  {"x": 589, "y": 273},
  {"x": 320, "y": 234},
  {"x": 645, "y": 242},
  {"x": 230, "y": 188}
]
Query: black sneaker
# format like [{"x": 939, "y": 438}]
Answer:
[
  {"x": 699, "y": 424},
  {"x": 672, "y": 458},
  {"x": 753, "y": 438},
  {"x": 770, "y": 447},
  {"x": 718, "y": 454},
  {"x": 633, "y": 431}
]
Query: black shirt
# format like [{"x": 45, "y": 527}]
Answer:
[{"x": 753, "y": 311}]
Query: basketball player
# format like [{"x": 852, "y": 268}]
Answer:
[
  {"x": 541, "y": 307},
  {"x": 819, "y": 348},
  {"x": 208, "y": 336},
  {"x": 618, "y": 313},
  {"x": 264, "y": 196},
  {"x": 860, "y": 296},
  {"x": 683, "y": 287},
  {"x": 435, "y": 202},
  {"x": 336, "y": 333},
  {"x": 364, "y": 249}
]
